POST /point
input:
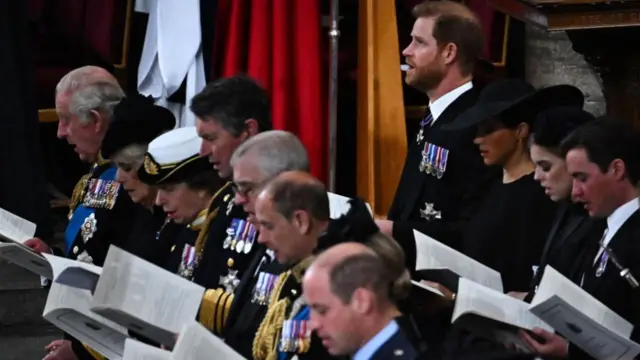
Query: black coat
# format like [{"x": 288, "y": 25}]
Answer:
[{"x": 456, "y": 195}]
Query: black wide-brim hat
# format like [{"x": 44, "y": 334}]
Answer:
[
  {"x": 174, "y": 157},
  {"x": 506, "y": 94},
  {"x": 135, "y": 120}
]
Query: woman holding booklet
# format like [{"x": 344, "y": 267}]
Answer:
[
  {"x": 572, "y": 227},
  {"x": 507, "y": 234}
]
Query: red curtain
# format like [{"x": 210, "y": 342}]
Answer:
[{"x": 280, "y": 44}]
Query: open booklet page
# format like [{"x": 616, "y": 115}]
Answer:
[
  {"x": 145, "y": 298},
  {"x": 135, "y": 350},
  {"x": 197, "y": 343},
  {"x": 68, "y": 309},
  {"x": 26, "y": 258},
  {"x": 426, "y": 289},
  {"x": 493, "y": 314},
  {"x": 73, "y": 273},
  {"x": 582, "y": 319},
  {"x": 339, "y": 205},
  {"x": 432, "y": 255},
  {"x": 14, "y": 228}
]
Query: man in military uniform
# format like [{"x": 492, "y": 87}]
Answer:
[
  {"x": 100, "y": 210},
  {"x": 258, "y": 160},
  {"x": 352, "y": 293},
  {"x": 292, "y": 210},
  {"x": 228, "y": 112},
  {"x": 444, "y": 178}
]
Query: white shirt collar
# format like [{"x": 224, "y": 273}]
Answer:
[
  {"x": 440, "y": 105},
  {"x": 619, "y": 217}
]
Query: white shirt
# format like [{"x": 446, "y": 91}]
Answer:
[
  {"x": 615, "y": 221},
  {"x": 442, "y": 103}
]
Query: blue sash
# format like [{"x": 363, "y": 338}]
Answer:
[
  {"x": 301, "y": 315},
  {"x": 81, "y": 213}
]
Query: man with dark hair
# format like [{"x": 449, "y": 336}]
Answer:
[
  {"x": 229, "y": 111},
  {"x": 444, "y": 178},
  {"x": 603, "y": 158},
  {"x": 352, "y": 296}
]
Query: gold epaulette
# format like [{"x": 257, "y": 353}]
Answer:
[
  {"x": 214, "y": 309},
  {"x": 94, "y": 353},
  {"x": 265, "y": 343}
]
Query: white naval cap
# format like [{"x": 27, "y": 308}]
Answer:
[{"x": 173, "y": 157}]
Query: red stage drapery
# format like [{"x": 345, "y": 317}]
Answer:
[{"x": 279, "y": 43}]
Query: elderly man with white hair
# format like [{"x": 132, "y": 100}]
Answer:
[{"x": 100, "y": 211}]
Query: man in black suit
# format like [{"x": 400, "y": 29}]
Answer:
[
  {"x": 444, "y": 178},
  {"x": 352, "y": 296},
  {"x": 603, "y": 158}
]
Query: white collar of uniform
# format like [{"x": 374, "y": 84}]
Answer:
[
  {"x": 442, "y": 103},
  {"x": 619, "y": 216}
]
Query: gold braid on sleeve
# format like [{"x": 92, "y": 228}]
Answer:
[
  {"x": 94, "y": 353},
  {"x": 214, "y": 309}
]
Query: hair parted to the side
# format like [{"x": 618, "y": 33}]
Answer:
[
  {"x": 455, "y": 24},
  {"x": 273, "y": 152},
  {"x": 289, "y": 195},
  {"x": 232, "y": 101},
  {"x": 368, "y": 271},
  {"x": 102, "y": 96},
  {"x": 605, "y": 140}
]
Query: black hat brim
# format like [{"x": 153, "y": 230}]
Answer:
[
  {"x": 154, "y": 174},
  {"x": 557, "y": 95},
  {"x": 135, "y": 123}
]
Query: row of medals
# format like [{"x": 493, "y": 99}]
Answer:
[
  {"x": 241, "y": 236},
  {"x": 264, "y": 287},
  {"x": 295, "y": 336},
  {"x": 434, "y": 160},
  {"x": 101, "y": 193}
]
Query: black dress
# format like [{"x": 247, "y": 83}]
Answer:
[{"x": 507, "y": 234}]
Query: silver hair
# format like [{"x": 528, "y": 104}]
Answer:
[
  {"x": 273, "y": 152},
  {"x": 101, "y": 96},
  {"x": 83, "y": 76},
  {"x": 132, "y": 155}
]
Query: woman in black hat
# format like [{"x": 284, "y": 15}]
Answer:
[
  {"x": 509, "y": 231},
  {"x": 134, "y": 123}
]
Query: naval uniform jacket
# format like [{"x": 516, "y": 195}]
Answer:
[
  {"x": 454, "y": 197},
  {"x": 231, "y": 246},
  {"x": 102, "y": 216}
]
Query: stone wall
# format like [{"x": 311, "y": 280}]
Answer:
[{"x": 550, "y": 60}]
